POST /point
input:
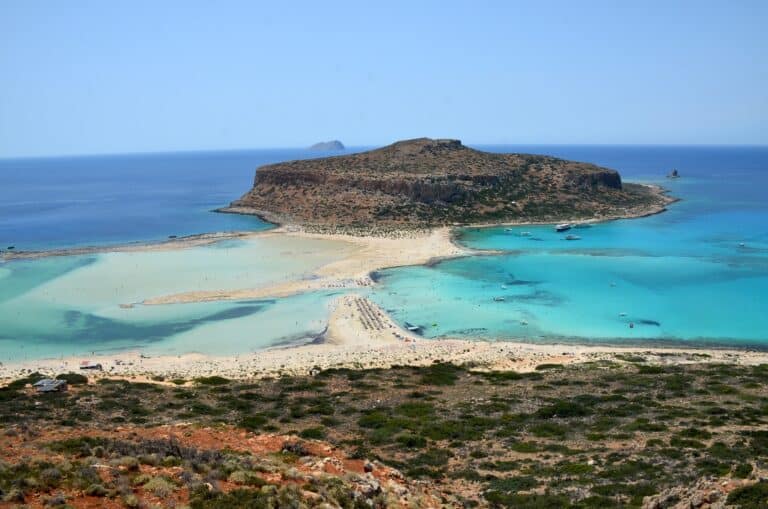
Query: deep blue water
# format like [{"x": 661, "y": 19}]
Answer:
[{"x": 71, "y": 201}]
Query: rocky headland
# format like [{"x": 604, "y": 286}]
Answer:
[
  {"x": 333, "y": 145},
  {"x": 424, "y": 183}
]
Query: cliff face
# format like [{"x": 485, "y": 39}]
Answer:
[{"x": 426, "y": 182}]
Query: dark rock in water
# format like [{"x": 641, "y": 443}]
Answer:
[
  {"x": 416, "y": 329},
  {"x": 171, "y": 236},
  {"x": 11, "y": 248},
  {"x": 328, "y": 145},
  {"x": 673, "y": 175},
  {"x": 465, "y": 332},
  {"x": 521, "y": 282},
  {"x": 650, "y": 322}
]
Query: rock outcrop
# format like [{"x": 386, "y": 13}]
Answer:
[
  {"x": 328, "y": 146},
  {"x": 426, "y": 182}
]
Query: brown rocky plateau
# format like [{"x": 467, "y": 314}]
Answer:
[{"x": 426, "y": 182}]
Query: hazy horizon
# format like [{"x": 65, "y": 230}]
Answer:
[{"x": 350, "y": 148}]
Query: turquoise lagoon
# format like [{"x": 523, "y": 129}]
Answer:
[
  {"x": 697, "y": 273},
  {"x": 72, "y": 305}
]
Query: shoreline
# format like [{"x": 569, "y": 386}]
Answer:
[
  {"x": 369, "y": 254},
  {"x": 281, "y": 225},
  {"x": 658, "y": 191},
  {"x": 183, "y": 242},
  {"x": 361, "y": 335},
  {"x": 652, "y": 210}
]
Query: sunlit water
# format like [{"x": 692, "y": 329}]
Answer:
[
  {"x": 697, "y": 273},
  {"x": 67, "y": 305},
  {"x": 57, "y": 202}
]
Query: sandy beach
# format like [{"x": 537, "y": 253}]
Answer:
[
  {"x": 361, "y": 335},
  {"x": 368, "y": 254},
  {"x": 202, "y": 239}
]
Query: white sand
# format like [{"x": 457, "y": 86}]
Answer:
[
  {"x": 361, "y": 335},
  {"x": 351, "y": 271}
]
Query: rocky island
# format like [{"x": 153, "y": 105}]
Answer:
[
  {"x": 328, "y": 146},
  {"x": 426, "y": 183}
]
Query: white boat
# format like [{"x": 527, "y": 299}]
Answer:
[
  {"x": 572, "y": 237},
  {"x": 563, "y": 227}
]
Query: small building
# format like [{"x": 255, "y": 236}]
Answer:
[
  {"x": 90, "y": 365},
  {"x": 50, "y": 385}
]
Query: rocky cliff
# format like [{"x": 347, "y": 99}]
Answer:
[{"x": 426, "y": 182}]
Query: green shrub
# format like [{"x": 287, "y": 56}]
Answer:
[
  {"x": 650, "y": 370},
  {"x": 416, "y": 409},
  {"x": 73, "y": 378},
  {"x": 547, "y": 429},
  {"x": 247, "y": 478},
  {"x": 750, "y": 497},
  {"x": 315, "y": 433},
  {"x": 211, "y": 380},
  {"x": 518, "y": 501},
  {"x": 513, "y": 484},
  {"x": 252, "y": 422},
  {"x": 440, "y": 374},
  {"x": 96, "y": 490},
  {"x": 412, "y": 441},
  {"x": 742, "y": 470},
  {"x": 563, "y": 409},
  {"x": 160, "y": 487}
]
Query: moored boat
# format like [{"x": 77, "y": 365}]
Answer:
[{"x": 564, "y": 227}]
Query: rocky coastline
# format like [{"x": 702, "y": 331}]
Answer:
[{"x": 425, "y": 183}]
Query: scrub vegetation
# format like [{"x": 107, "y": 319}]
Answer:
[{"x": 603, "y": 434}]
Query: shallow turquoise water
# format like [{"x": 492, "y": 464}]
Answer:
[
  {"x": 697, "y": 273},
  {"x": 72, "y": 305}
]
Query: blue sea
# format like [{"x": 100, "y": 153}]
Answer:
[
  {"x": 695, "y": 274},
  {"x": 74, "y": 201}
]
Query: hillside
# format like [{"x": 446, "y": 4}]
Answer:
[
  {"x": 642, "y": 430},
  {"x": 425, "y": 182}
]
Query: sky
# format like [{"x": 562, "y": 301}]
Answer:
[{"x": 89, "y": 77}]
